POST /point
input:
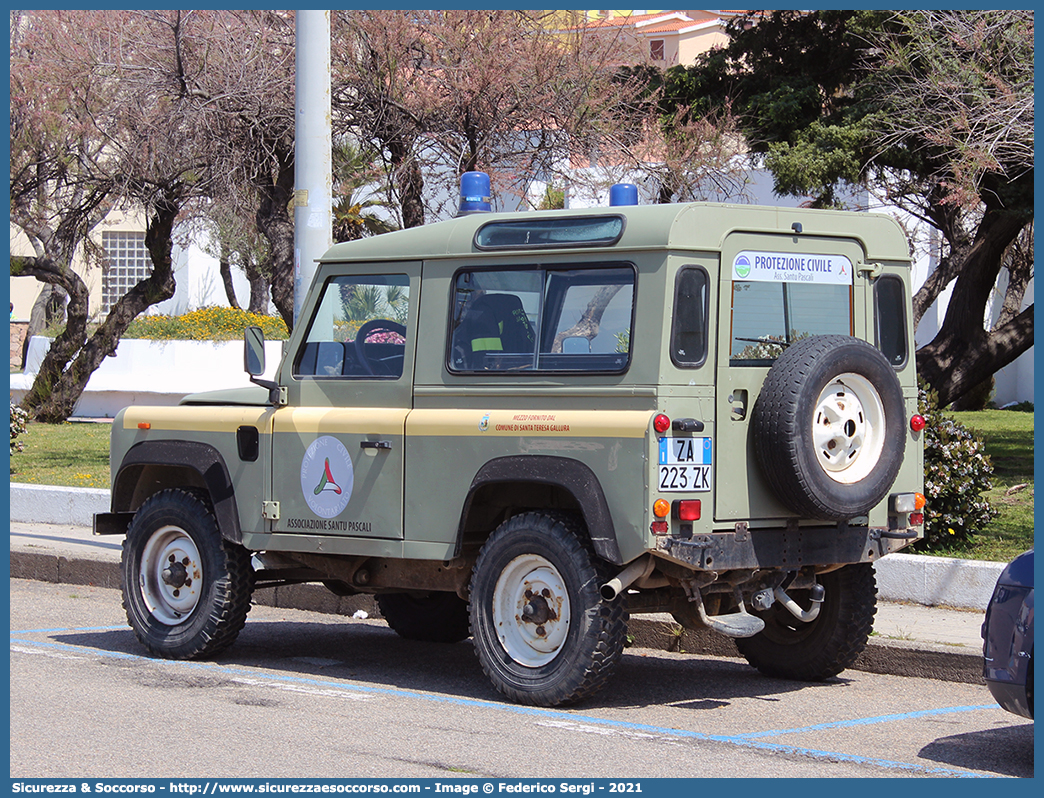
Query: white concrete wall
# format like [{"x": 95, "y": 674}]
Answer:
[{"x": 153, "y": 372}]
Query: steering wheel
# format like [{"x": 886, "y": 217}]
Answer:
[{"x": 370, "y": 327}]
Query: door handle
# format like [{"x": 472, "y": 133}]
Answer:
[
  {"x": 738, "y": 399},
  {"x": 376, "y": 444}
]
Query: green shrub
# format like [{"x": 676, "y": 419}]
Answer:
[
  {"x": 957, "y": 471},
  {"x": 206, "y": 324},
  {"x": 1021, "y": 407},
  {"x": 19, "y": 426}
]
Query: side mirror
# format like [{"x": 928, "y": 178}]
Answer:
[
  {"x": 254, "y": 364},
  {"x": 254, "y": 351}
]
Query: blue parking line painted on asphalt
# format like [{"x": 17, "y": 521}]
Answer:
[
  {"x": 750, "y": 740},
  {"x": 67, "y": 631},
  {"x": 842, "y": 724}
]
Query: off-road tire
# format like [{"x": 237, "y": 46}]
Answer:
[
  {"x": 828, "y": 427},
  {"x": 205, "y": 614},
  {"x": 566, "y": 662},
  {"x": 435, "y": 617},
  {"x": 811, "y": 652}
]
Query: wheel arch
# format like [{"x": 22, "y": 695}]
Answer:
[
  {"x": 152, "y": 466},
  {"x": 533, "y": 482}
]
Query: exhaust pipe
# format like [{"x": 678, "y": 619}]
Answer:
[
  {"x": 817, "y": 594},
  {"x": 614, "y": 587}
]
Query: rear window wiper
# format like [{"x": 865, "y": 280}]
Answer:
[{"x": 780, "y": 344}]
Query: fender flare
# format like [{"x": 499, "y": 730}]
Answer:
[
  {"x": 563, "y": 472},
  {"x": 202, "y": 458}
]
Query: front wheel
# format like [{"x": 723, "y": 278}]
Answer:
[
  {"x": 791, "y": 649},
  {"x": 186, "y": 591},
  {"x": 543, "y": 634}
]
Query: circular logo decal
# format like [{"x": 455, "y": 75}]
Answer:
[
  {"x": 327, "y": 477},
  {"x": 741, "y": 265}
]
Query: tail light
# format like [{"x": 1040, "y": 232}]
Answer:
[
  {"x": 686, "y": 509},
  {"x": 908, "y": 502}
]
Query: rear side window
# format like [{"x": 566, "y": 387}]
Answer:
[
  {"x": 890, "y": 319},
  {"x": 543, "y": 319},
  {"x": 689, "y": 325}
]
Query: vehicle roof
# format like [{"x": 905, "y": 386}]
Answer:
[{"x": 699, "y": 226}]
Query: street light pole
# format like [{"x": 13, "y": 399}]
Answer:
[{"x": 313, "y": 182}]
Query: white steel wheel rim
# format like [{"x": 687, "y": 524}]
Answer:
[
  {"x": 170, "y": 575},
  {"x": 848, "y": 428},
  {"x": 531, "y": 610}
]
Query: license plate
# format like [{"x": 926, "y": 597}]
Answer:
[{"x": 685, "y": 464}]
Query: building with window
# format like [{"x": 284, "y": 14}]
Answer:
[
  {"x": 114, "y": 262},
  {"x": 671, "y": 37}
]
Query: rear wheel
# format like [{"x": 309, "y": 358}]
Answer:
[
  {"x": 791, "y": 649},
  {"x": 186, "y": 591},
  {"x": 435, "y": 617},
  {"x": 543, "y": 634}
]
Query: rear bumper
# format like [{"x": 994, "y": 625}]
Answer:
[{"x": 781, "y": 548}]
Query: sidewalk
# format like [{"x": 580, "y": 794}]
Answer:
[{"x": 909, "y": 639}]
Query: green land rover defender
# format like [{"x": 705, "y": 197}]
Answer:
[{"x": 525, "y": 427}]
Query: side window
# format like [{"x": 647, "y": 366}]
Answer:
[
  {"x": 689, "y": 325},
  {"x": 543, "y": 319},
  {"x": 358, "y": 329},
  {"x": 890, "y": 319}
]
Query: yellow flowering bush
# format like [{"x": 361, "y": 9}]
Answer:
[{"x": 206, "y": 324}]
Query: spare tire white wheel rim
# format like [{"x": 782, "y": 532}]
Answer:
[
  {"x": 531, "y": 610},
  {"x": 848, "y": 428},
  {"x": 170, "y": 575}
]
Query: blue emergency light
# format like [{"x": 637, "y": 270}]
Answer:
[
  {"x": 623, "y": 194},
  {"x": 474, "y": 193}
]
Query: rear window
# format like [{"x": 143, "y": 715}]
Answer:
[
  {"x": 780, "y": 298},
  {"x": 544, "y": 319}
]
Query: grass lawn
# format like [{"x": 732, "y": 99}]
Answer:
[
  {"x": 1009, "y": 442},
  {"x": 77, "y": 454},
  {"x": 73, "y": 454}
]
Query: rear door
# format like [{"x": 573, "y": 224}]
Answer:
[{"x": 773, "y": 289}]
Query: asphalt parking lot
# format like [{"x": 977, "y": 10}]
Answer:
[{"x": 310, "y": 694}]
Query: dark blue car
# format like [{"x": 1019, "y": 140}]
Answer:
[{"x": 1007, "y": 633}]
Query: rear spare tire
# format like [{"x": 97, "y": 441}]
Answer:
[{"x": 828, "y": 427}]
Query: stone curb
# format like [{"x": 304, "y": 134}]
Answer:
[
  {"x": 896, "y": 657},
  {"x": 913, "y": 578}
]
